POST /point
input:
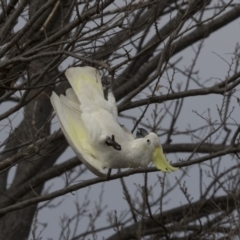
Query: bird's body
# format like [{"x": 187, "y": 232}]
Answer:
[{"x": 89, "y": 124}]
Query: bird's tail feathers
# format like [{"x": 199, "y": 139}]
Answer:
[{"x": 85, "y": 81}]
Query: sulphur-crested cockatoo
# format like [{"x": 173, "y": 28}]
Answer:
[{"x": 89, "y": 123}]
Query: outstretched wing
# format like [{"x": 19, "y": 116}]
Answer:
[{"x": 69, "y": 116}]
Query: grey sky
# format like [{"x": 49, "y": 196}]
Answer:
[{"x": 213, "y": 63}]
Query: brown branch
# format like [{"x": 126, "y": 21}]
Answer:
[
  {"x": 31, "y": 149},
  {"x": 201, "y": 32},
  {"x": 20, "y": 34},
  {"x": 9, "y": 24},
  {"x": 115, "y": 176},
  {"x": 203, "y": 207},
  {"x": 179, "y": 95},
  {"x": 15, "y": 193},
  {"x": 8, "y": 10}
]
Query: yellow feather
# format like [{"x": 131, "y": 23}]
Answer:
[
  {"x": 85, "y": 79},
  {"x": 161, "y": 162},
  {"x": 77, "y": 132},
  {"x": 69, "y": 116}
]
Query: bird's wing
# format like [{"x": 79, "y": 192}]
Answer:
[
  {"x": 112, "y": 103},
  {"x": 88, "y": 77},
  {"x": 71, "y": 95},
  {"x": 77, "y": 136},
  {"x": 87, "y": 85}
]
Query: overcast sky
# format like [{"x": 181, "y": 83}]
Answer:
[{"x": 219, "y": 45}]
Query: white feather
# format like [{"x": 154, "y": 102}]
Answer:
[
  {"x": 69, "y": 116},
  {"x": 87, "y": 120}
]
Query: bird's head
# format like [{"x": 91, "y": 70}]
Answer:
[{"x": 153, "y": 146}]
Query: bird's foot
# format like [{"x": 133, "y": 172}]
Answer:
[{"x": 110, "y": 141}]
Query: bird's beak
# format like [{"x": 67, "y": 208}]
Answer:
[{"x": 161, "y": 162}]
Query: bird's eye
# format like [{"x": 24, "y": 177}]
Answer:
[{"x": 148, "y": 141}]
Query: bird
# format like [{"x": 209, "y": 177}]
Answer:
[{"x": 90, "y": 126}]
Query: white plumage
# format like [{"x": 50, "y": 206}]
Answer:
[{"x": 89, "y": 123}]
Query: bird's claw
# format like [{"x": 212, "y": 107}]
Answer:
[{"x": 111, "y": 142}]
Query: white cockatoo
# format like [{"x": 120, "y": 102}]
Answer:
[{"x": 89, "y": 123}]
